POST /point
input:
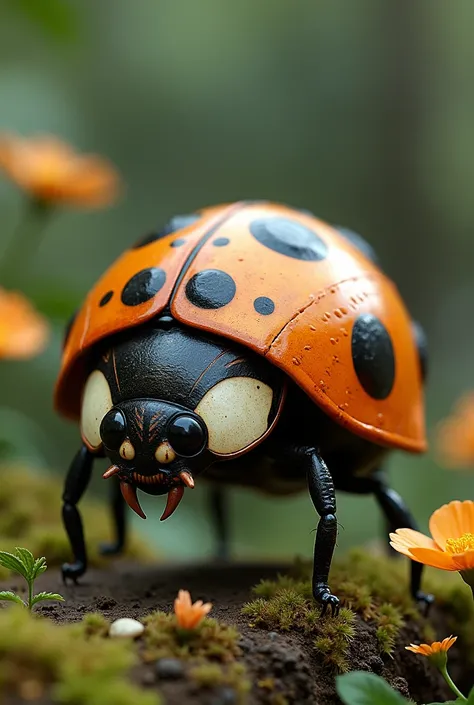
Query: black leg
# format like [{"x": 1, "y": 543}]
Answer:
[
  {"x": 323, "y": 496},
  {"x": 119, "y": 519},
  {"x": 219, "y": 512},
  {"x": 76, "y": 483},
  {"x": 397, "y": 516}
]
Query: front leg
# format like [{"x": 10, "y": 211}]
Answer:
[
  {"x": 323, "y": 496},
  {"x": 76, "y": 483},
  {"x": 119, "y": 518}
]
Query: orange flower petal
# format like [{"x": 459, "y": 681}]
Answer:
[
  {"x": 52, "y": 172},
  {"x": 433, "y": 557},
  {"x": 451, "y": 521},
  {"x": 455, "y": 436},
  {"x": 23, "y": 331},
  {"x": 410, "y": 538},
  {"x": 464, "y": 561}
]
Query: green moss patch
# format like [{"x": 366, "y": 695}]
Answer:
[
  {"x": 371, "y": 586},
  {"x": 211, "y": 641},
  {"x": 30, "y": 515},
  {"x": 214, "y": 675},
  {"x": 68, "y": 664}
]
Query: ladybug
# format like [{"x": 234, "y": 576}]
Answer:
[{"x": 254, "y": 343}]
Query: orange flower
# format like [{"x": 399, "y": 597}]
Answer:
[
  {"x": 456, "y": 435},
  {"x": 452, "y": 545},
  {"x": 435, "y": 648},
  {"x": 189, "y": 615},
  {"x": 23, "y": 332},
  {"x": 53, "y": 173},
  {"x": 436, "y": 652}
]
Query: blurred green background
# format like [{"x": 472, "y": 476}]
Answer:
[{"x": 361, "y": 111}]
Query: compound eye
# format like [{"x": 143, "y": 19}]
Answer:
[
  {"x": 187, "y": 435},
  {"x": 113, "y": 429}
]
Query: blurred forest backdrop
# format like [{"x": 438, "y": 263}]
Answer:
[{"x": 361, "y": 111}]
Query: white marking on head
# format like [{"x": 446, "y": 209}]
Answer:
[
  {"x": 236, "y": 413},
  {"x": 164, "y": 454},
  {"x": 127, "y": 451},
  {"x": 96, "y": 402}
]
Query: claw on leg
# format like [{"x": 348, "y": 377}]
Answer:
[{"x": 327, "y": 600}]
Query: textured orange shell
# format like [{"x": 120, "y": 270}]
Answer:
[{"x": 308, "y": 335}]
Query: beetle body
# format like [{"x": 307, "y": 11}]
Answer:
[{"x": 253, "y": 343}]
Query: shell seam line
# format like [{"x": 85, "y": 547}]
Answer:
[
  {"x": 199, "y": 245},
  {"x": 317, "y": 298}
]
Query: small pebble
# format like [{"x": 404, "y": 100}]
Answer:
[
  {"x": 169, "y": 669},
  {"x": 273, "y": 635},
  {"x": 126, "y": 627}
]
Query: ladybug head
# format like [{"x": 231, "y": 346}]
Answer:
[
  {"x": 155, "y": 446},
  {"x": 166, "y": 404}
]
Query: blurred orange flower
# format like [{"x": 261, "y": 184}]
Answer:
[
  {"x": 452, "y": 545},
  {"x": 188, "y": 615},
  {"x": 456, "y": 435},
  {"x": 23, "y": 331},
  {"x": 51, "y": 172}
]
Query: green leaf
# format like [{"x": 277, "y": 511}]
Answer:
[
  {"x": 39, "y": 567},
  {"x": 27, "y": 558},
  {"x": 470, "y": 697},
  {"x": 11, "y": 597},
  {"x": 360, "y": 688},
  {"x": 41, "y": 596},
  {"x": 8, "y": 560},
  {"x": 55, "y": 17}
]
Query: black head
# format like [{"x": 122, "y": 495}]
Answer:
[
  {"x": 155, "y": 446},
  {"x": 166, "y": 403}
]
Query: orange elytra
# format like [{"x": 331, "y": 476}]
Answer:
[{"x": 308, "y": 335}]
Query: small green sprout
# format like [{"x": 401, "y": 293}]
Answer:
[{"x": 29, "y": 568}]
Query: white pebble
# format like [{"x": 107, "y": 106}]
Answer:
[{"x": 126, "y": 627}]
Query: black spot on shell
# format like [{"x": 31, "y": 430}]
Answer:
[
  {"x": 359, "y": 242},
  {"x": 373, "y": 356},
  {"x": 177, "y": 222},
  {"x": 178, "y": 242},
  {"x": 289, "y": 238},
  {"x": 143, "y": 286},
  {"x": 106, "y": 298},
  {"x": 210, "y": 288},
  {"x": 221, "y": 241},
  {"x": 264, "y": 305}
]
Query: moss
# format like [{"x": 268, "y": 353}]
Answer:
[
  {"x": 213, "y": 675},
  {"x": 30, "y": 515},
  {"x": 289, "y": 605},
  {"x": 211, "y": 640},
  {"x": 40, "y": 659},
  {"x": 376, "y": 588},
  {"x": 389, "y": 621},
  {"x": 94, "y": 624}
]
